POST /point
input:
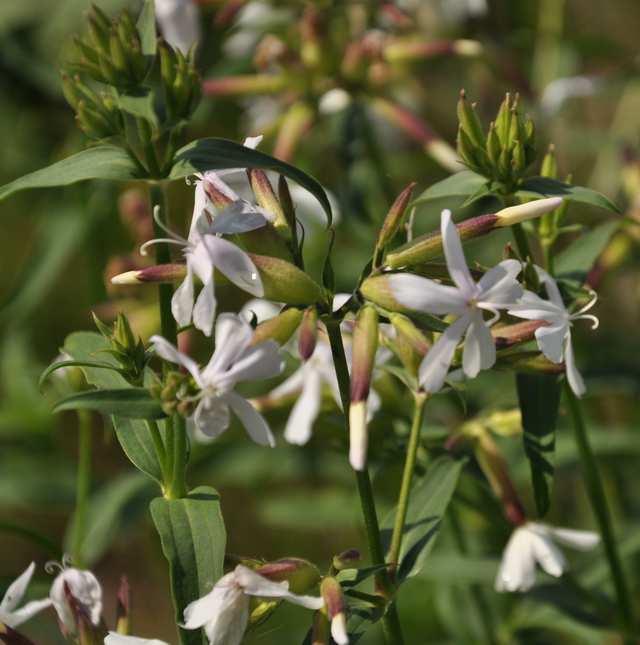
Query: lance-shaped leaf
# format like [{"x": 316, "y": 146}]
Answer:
[
  {"x": 100, "y": 162},
  {"x": 147, "y": 28},
  {"x": 133, "y": 434},
  {"x": 128, "y": 402},
  {"x": 539, "y": 397},
  {"x": 578, "y": 258},
  {"x": 193, "y": 539},
  {"x": 548, "y": 187},
  {"x": 218, "y": 154},
  {"x": 461, "y": 185},
  {"x": 430, "y": 497}
]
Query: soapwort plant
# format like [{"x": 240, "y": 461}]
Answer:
[{"x": 431, "y": 327}]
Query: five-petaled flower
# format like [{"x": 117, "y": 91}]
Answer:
[
  {"x": 234, "y": 360},
  {"x": 554, "y": 340},
  {"x": 533, "y": 543},
  {"x": 224, "y": 611},
  {"x": 12, "y": 615},
  {"x": 120, "y": 639},
  {"x": 467, "y": 300},
  {"x": 86, "y": 591}
]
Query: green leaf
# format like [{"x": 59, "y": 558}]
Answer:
[
  {"x": 147, "y": 28},
  {"x": 100, "y": 162},
  {"x": 219, "y": 154},
  {"x": 539, "y": 397},
  {"x": 547, "y": 187},
  {"x": 128, "y": 402},
  {"x": 133, "y": 434},
  {"x": 193, "y": 541},
  {"x": 140, "y": 105},
  {"x": 463, "y": 184},
  {"x": 63, "y": 364},
  {"x": 580, "y": 256},
  {"x": 112, "y": 509},
  {"x": 430, "y": 497}
]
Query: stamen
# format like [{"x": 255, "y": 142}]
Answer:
[
  {"x": 52, "y": 566},
  {"x": 161, "y": 224},
  {"x": 159, "y": 240},
  {"x": 595, "y": 322},
  {"x": 589, "y": 305}
]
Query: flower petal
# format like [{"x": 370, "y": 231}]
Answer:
[
  {"x": 114, "y": 638},
  {"x": 435, "y": 365},
  {"x": 253, "y": 422},
  {"x": 18, "y": 616},
  {"x": 479, "y": 348},
  {"x": 182, "y": 300},
  {"x": 574, "y": 377},
  {"x": 339, "y": 629},
  {"x": 211, "y": 418},
  {"x": 499, "y": 287},
  {"x": 204, "y": 310},
  {"x": 548, "y": 555},
  {"x": 258, "y": 362},
  {"x": 239, "y": 217},
  {"x": 17, "y": 589},
  {"x": 456, "y": 262},
  {"x": 202, "y": 610},
  {"x": 305, "y": 410},
  {"x": 233, "y": 335},
  {"x": 532, "y": 307},
  {"x": 581, "y": 540},
  {"x": 234, "y": 263},
  {"x": 290, "y": 385},
  {"x": 163, "y": 348},
  {"x": 551, "y": 341},
  {"x": 517, "y": 569},
  {"x": 551, "y": 286},
  {"x": 422, "y": 294}
]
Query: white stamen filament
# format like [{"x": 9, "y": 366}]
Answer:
[{"x": 161, "y": 240}]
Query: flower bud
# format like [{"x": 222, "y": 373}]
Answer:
[
  {"x": 333, "y": 597},
  {"x": 245, "y": 84},
  {"x": 503, "y": 121},
  {"x": 155, "y": 274},
  {"x": 266, "y": 197},
  {"x": 410, "y": 344},
  {"x": 393, "y": 219},
  {"x": 295, "y": 123},
  {"x": 301, "y": 575},
  {"x": 346, "y": 559},
  {"x": 279, "y": 328},
  {"x": 285, "y": 282},
  {"x": 364, "y": 348},
  {"x": 530, "y": 210},
  {"x": 123, "y": 607},
  {"x": 122, "y": 333},
  {"x": 308, "y": 335},
  {"x": 469, "y": 121},
  {"x": 378, "y": 290},
  {"x": 509, "y": 335}
]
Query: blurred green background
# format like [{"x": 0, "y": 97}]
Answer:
[{"x": 576, "y": 65}]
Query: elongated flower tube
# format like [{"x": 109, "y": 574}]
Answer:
[
  {"x": 467, "y": 300},
  {"x": 12, "y": 615},
  {"x": 429, "y": 246},
  {"x": 533, "y": 543},
  {"x": 308, "y": 334},
  {"x": 224, "y": 611},
  {"x": 160, "y": 273},
  {"x": 234, "y": 360},
  {"x": 364, "y": 348},
  {"x": 336, "y": 607},
  {"x": 554, "y": 339}
]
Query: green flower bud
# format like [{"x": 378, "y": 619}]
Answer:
[
  {"x": 284, "y": 282},
  {"x": 393, "y": 219},
  {"x": 308, "y": 335},
  {"x": 549, "y": 166},
  {"x": 493, "y": 145},
  {"x": 266, "y": 197},
  {"x": 503, "y": 121},
  {"x": 123, "y": 334},
  {"x": 279, "y": 328},
  {"x": 411, "y": 344},
  {"x": 469, "y": 121}
]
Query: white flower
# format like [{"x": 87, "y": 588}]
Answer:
[
  {"x": 497, "y": 289},
  {"x": 179, "y": 22},
  {"x": 10, "y": 614},
  {"x": 234, "y": 360},
  {"x": 205, "y": 251},
  {"x": 554, "y": 340},
  {"x": 224, "y": 611},
  {"x": 120, "y": 639},
  {"x": 533, "y": 543},
  {"x": 86, "y": 590},
  {"x": 259, "y": 308}
]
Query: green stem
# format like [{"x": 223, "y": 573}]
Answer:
[
  {"x": 522, "y": 243},
  {"x": 180, "y": 456},
  {"x": 483, "y": 607},
  {"x": 419, "y": 401},
  {"x": 161, "y": 452},
  {"x": 83, "y": 484},
  {"x": 595, "y": 490},
  {"x": 391, "y": 622}
]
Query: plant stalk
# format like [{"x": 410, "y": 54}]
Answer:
[
  {"x": 419, "y": 400},
  {"x": 595, "y": 490},
  {"x": 83, "y": 484},
  {"x": 391, "y": 623}
]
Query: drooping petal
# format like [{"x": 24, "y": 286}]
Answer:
[
  {"x": 239, "y": 217},
  {"x": 19, "y": 616},
  {"x": 551, "y": 286},
  {"x": 253, "y": 422},
  {"x": 422, "y": 294},
  {"x": 163, "y": 348},
  {"x": 211, "y": 418},
  {"x": 574, "y": 377},
  {"x": 456, "y": 262},
  {"x": 204, "y": 310},
  {"x": 259, "y": 362},
  {"x": 339, "y": 629},
  {"x": 499, "y": 287},
  {"x": 580, "y": 540},
  {"x": 202, "y": 610},
  {"x": 85, "y": 588},
  {"x": 290, "y": 385},
  {"x": 233, "y": 335},
  {"x": 234, "y": 263},
  {"x": 551, "y": 341},
  {"x": 228, "y": 627},
  {"x": 548, "y": 555},
  {"x": 517, "y": 570},
  {"x": 305, "y": 410},
  {"x": 120, "y": 639},
  {"x": 532, "y": 307},
  {"x": 254, "y": 584},
  {"x": 17, "y": 589},
  {"x": 182, "y": 300},
  {"x": 479, "y": 347},
  {"x": 435, "y": 365}
]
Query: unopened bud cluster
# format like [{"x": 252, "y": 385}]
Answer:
[
  {"x": 508, "y": 148},
  {"x": 176, "y": 394}
]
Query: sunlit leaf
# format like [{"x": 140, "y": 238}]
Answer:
[
  {"x": 582, "y": 253},
  {"x": 463, "y": 184},
  {"x": 547, "y": 187}
]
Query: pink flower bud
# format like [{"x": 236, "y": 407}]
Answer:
[{"x": 308, "y": 333}]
